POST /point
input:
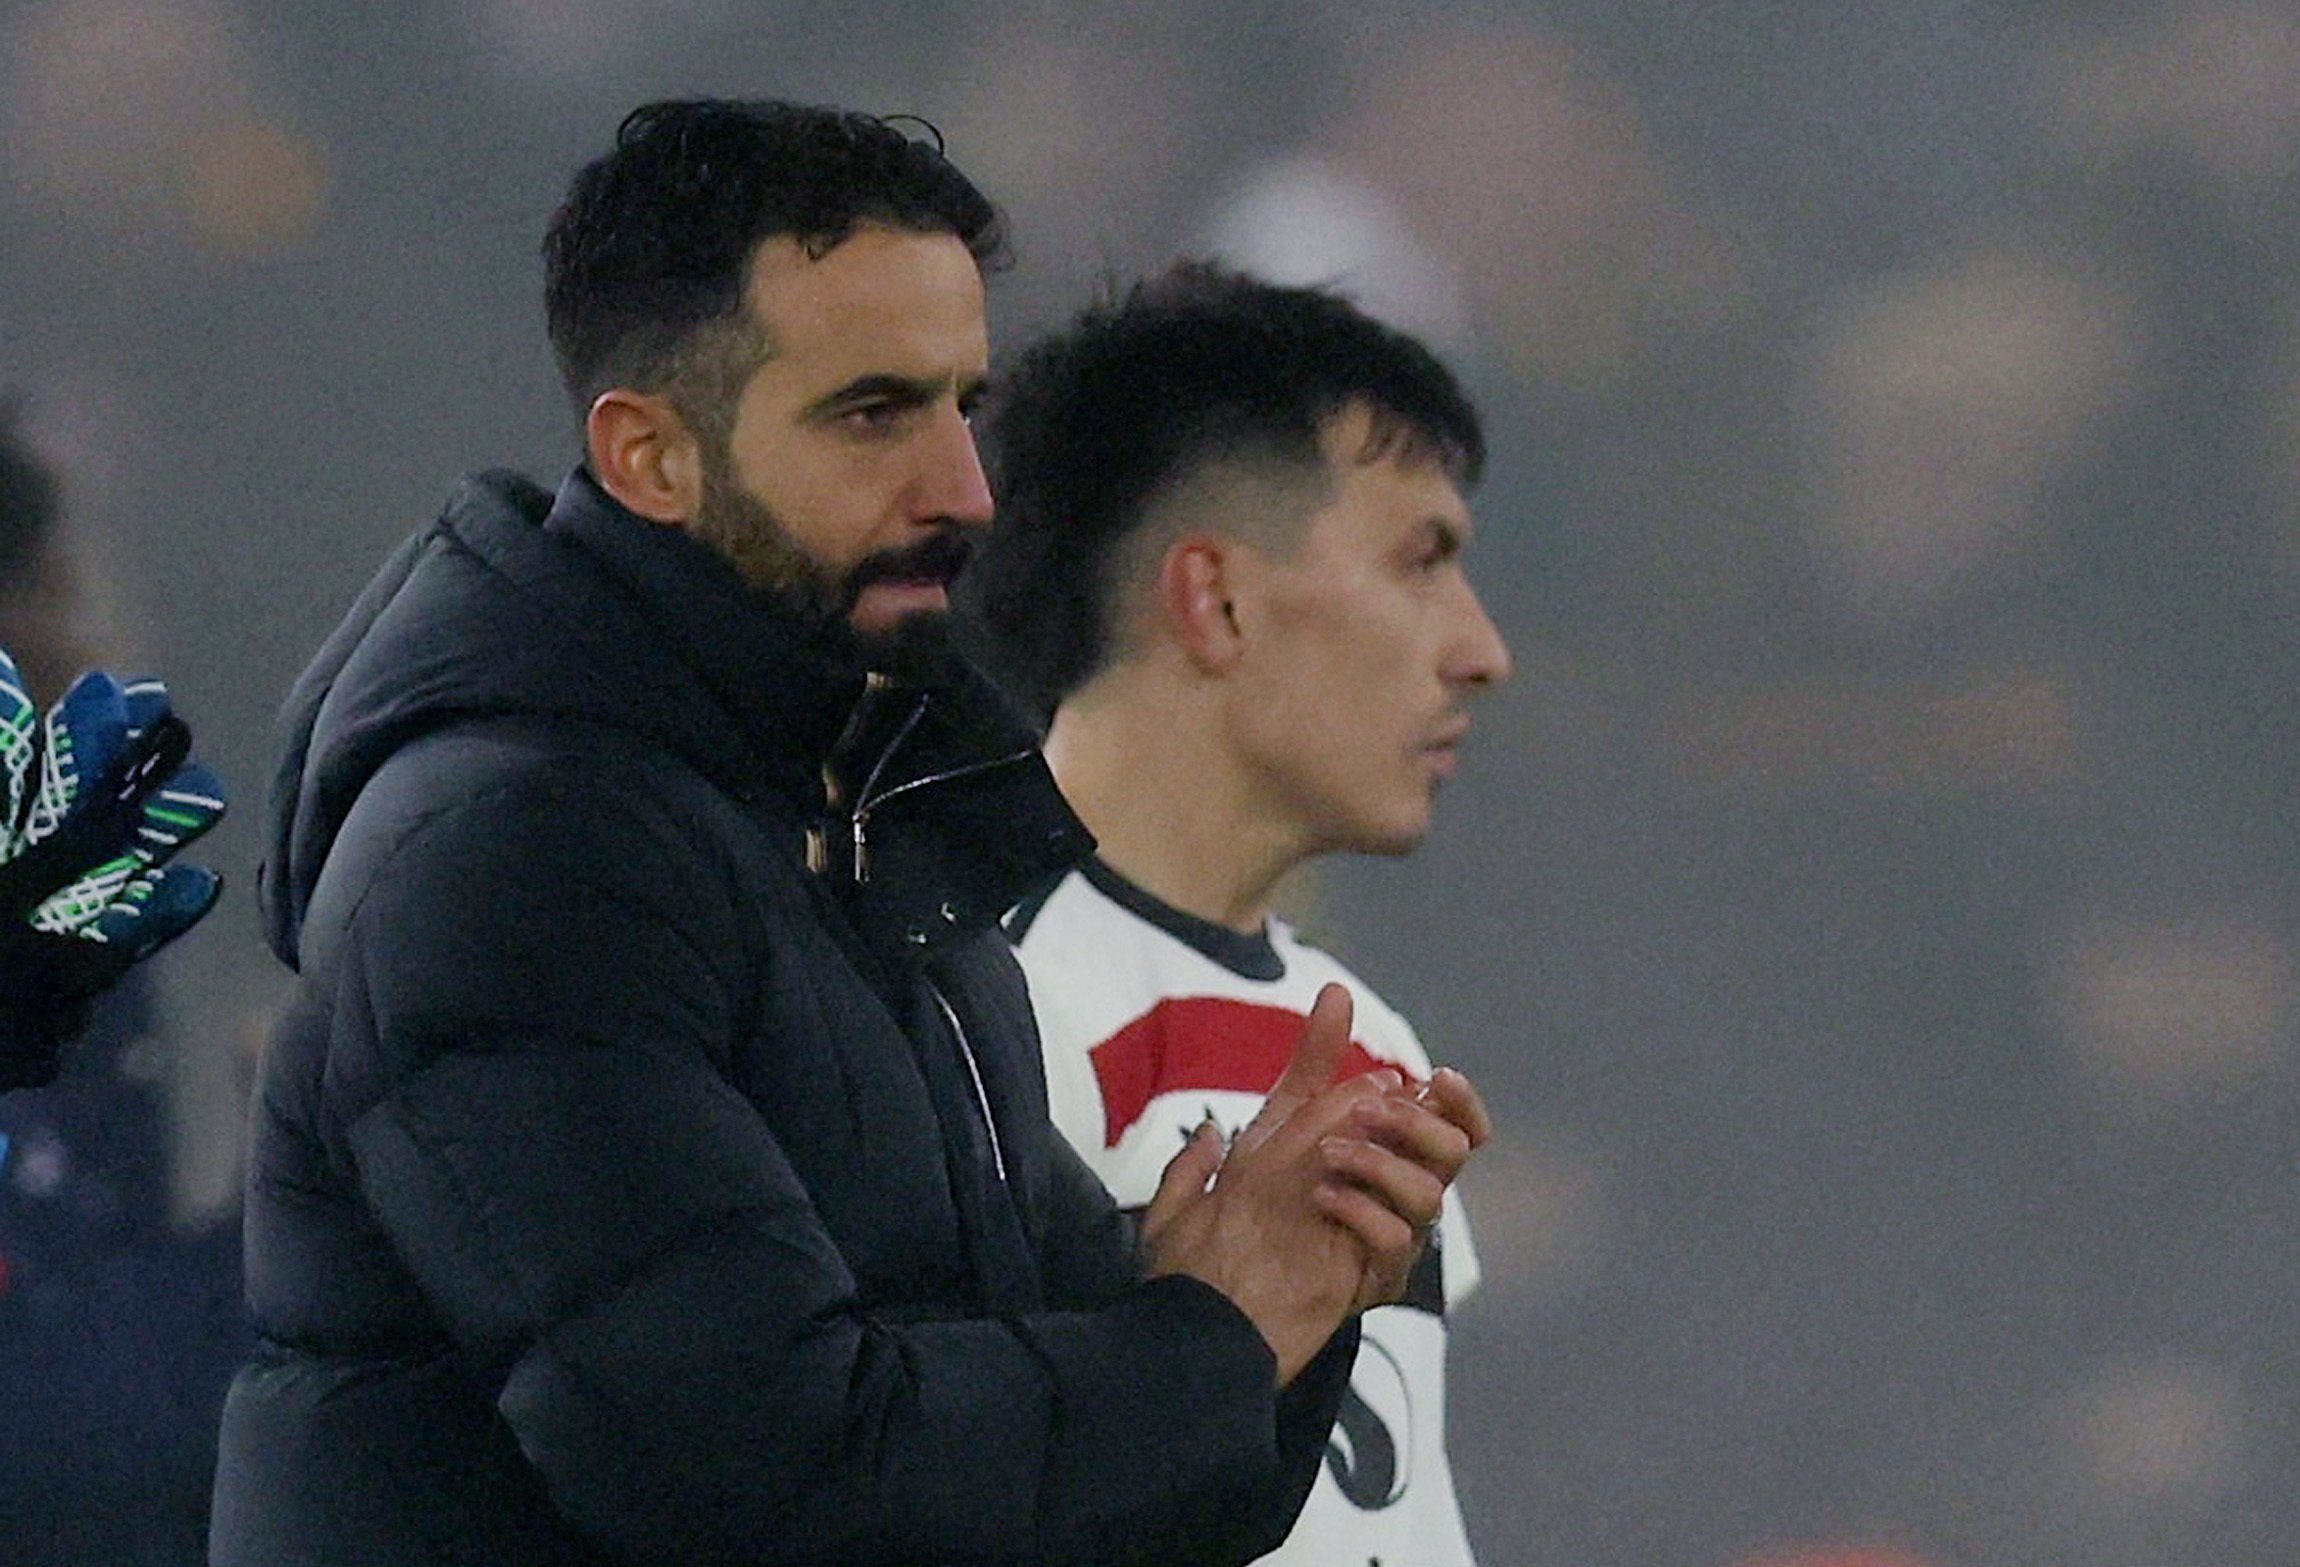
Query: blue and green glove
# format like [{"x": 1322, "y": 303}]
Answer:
[{"x": 95, "y": 799}]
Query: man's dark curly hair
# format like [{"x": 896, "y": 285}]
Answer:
[
  {"x": 1091, "y": 428},
  {"x": 645, "y": 260}
]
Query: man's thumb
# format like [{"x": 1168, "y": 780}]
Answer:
[
  {"x": 1317, "y": 1053},
  {"x": 1186, "y": 1176}
]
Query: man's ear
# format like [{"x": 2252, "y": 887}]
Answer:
[
  {"x": 1195, "y": 597},
  {"x": 643, "y": 454}
]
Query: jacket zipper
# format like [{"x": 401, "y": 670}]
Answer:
[
  {"x": 864, "y": 800},
  {"x": 818, "y": 854},
  {"x": 973, "y": 1072},
  {"x": 858, "y": 822}
]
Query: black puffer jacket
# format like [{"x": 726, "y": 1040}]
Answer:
[{"x": 622, "y": 1187}]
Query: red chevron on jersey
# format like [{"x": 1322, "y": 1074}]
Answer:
[{"x": 1190, "y": 1044}]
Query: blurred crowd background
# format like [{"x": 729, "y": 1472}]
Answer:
[{"x": 1874, "y": 911}]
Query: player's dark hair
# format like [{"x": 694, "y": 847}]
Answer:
[
  {"x": 44, "y": 623},
  {"x": 1091, "y": 427},
  {"x": 646, "y": 258},
  {"x": 28, "y": 501}
]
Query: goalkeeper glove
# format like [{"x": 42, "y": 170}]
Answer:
[{"x": 98, "y": 796}]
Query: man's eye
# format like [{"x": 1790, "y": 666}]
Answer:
[{"x": 1435, "y": 551}]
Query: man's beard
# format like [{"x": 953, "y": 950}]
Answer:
[{"x": 753, "y": 540}]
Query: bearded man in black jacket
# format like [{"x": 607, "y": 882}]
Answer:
[{"x": 651, "y": 1163}]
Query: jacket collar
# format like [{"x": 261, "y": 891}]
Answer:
[
  {"x": 784, "y": 690},
  {"x": 928, "y": 803}
]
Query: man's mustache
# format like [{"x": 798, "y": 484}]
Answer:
[{"x": 939, "y": 557}]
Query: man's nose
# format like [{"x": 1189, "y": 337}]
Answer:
[
  {"x": 953, "y": 484},
  {"x": 1481, "y": 657}
]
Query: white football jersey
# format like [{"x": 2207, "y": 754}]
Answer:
[{"x": 1152, "y": 1021}]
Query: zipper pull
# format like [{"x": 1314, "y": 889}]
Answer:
[{"x": 862, "y": 850}]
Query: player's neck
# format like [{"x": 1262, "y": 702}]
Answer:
[{"x": 1167, "y": 811}]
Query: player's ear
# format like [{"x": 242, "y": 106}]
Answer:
[
  {"x": 1195, "y": 597},
  {"x": 643, "y": 454}
]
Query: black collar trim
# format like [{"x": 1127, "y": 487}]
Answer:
[{"x": 1249, "y": 957}]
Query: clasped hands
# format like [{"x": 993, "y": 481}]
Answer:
[{"x": 1321, "y": 1207}]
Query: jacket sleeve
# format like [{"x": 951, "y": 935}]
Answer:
[
  {"x": 1086, "y": 1230},
  {"x": 532, "y": 1003}
]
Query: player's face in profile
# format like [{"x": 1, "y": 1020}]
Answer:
[
  {"x": 850, "y": 478},
  {"x": 1364, "y": 643}
]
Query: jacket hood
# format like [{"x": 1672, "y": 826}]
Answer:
[{"x": 519, "y": 602}]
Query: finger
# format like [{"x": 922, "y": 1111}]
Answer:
[
  {"x": 1185, "y": 1178},
  {"x": 1389, "y": 1241},
  {"x": 19, "y": 746},
  {"x": 1317, "y": 1055},
  {"x": 1413, "y": 1129},
  {"x": 153, "y": 755},
  {"x": 1456, "y": 1098},
  {"x": 184, "y": 806},
  {"x": 156, "y": 908},
  {"x": 1405, "y": 1188},
  {"x": 87, "y": 732},
  {"x": 147, "y": 702},
  {"x": 1293, "y": 1136}
]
